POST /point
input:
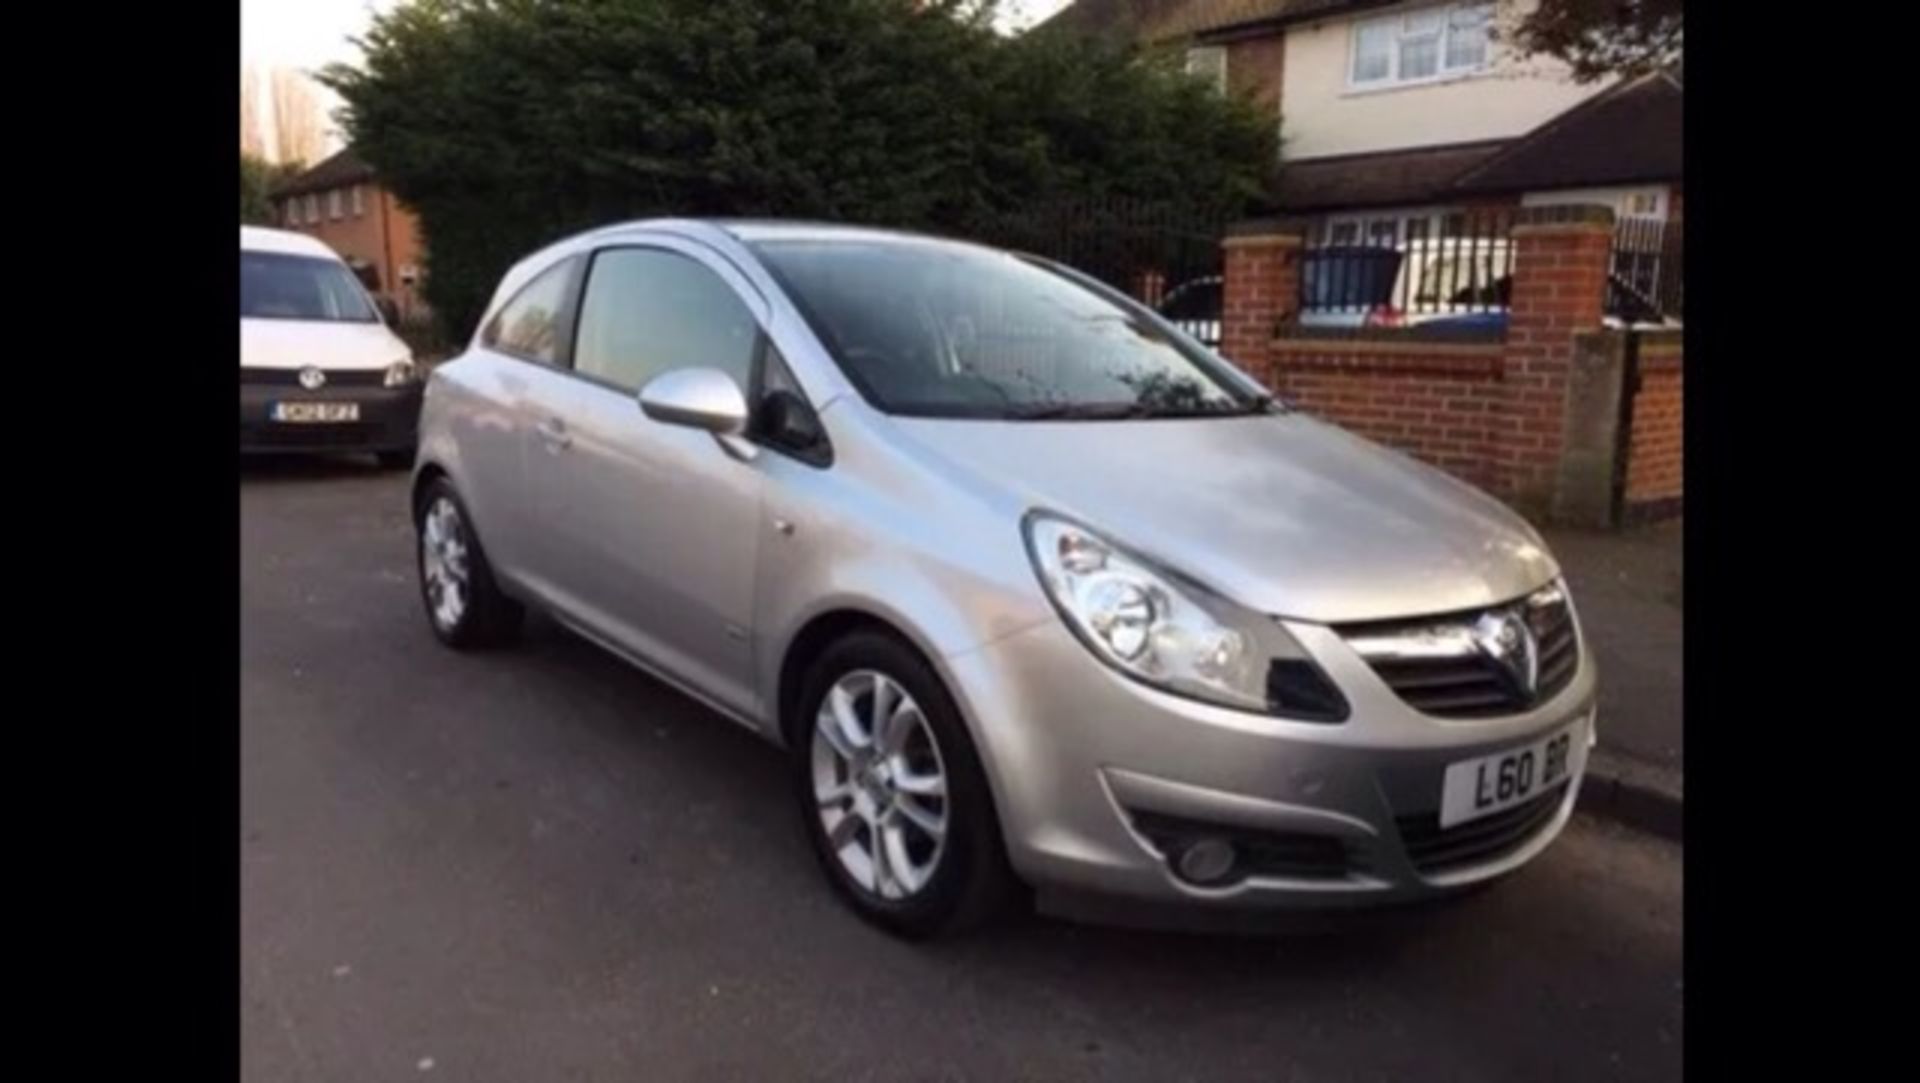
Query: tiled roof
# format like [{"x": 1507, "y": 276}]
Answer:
[
  {"x": 1381, "y": 179},
  {"x": 340, "y": 169},
  {"x": 1627, "y": 134}
]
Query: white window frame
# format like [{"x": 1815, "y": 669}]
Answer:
[
  {"x": 313, "y": 207},
  {"x": 359, "y": 207},
  {"x": 1441, "y": 72},
  {"x": 1434, "y": 217},
  {"x": 1209, "y": 62},
  {"x": 336, "y": 206},
  {"x": 1620, "y": 198}
]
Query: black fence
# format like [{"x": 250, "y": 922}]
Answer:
[
  {"x": 1440, "y": 273},
  {"x": 1167, "y": 256},
  {"x": 1645, "y": 278}
]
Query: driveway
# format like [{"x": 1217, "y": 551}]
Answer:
[{"x": 542, "y": 865}]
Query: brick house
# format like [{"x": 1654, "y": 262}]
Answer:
[
  {"x": 1395, "y": 115},
  {"x": 341, "y": 202}
]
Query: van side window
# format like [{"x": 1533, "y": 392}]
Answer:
[{"x": 533, "y": 326}]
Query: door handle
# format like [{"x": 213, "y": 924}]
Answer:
[{"x": 553, "y": 433}]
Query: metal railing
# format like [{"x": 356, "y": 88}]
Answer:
[
  {"x": 1646, "y": 275},
  {"x": 1166, "y": 256},
  {"x": 1452, "y": 270}
]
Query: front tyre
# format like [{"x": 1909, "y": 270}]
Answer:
[
  {"x": 464, "y": 605},
  {"x": 895, "y": 801}
]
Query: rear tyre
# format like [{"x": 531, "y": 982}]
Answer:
[
  {"x": 464, "y": 605},
  {"x": 896, "y": 804}
]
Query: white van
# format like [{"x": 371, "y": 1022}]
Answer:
[{"x": 320, "y": 370}]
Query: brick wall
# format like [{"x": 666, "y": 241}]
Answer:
[
  {"x": 405, "y": 251},
  {"x": 1532, "y": 418},
  {"x": 1655, "y": 473},
  {"x": 1255, "y": 67},
  {"x": 1439, "y": 402}
]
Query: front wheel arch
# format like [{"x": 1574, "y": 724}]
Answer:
[
  {"x": 810, "y": 642},
  {"x": 423, "y": 480}
]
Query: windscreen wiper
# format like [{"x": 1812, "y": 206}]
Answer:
[
  {"x": 1075, "y": 411},
  {"x": 1108, "y": 411}
]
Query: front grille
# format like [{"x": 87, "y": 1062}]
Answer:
[
  {"x": 1437, "y": 668},
  {"x": 1489, "y": 838},
  {"x": 1294, "y": 855},
  {"x": 335, "y": 377}
]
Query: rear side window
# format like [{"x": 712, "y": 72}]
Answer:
[
  {"x": 647, "y": 311},
  {"x": 532, "y": 326}
]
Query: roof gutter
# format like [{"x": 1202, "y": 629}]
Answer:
[{"x": 1265, "y": 26}]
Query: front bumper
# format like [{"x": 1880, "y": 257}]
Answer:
[
  {"x": 389, "y": 419},
  {"x": 1076, "y": 753}
]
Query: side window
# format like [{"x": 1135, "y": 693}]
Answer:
[
  {"x": 532, "y": 326},
  {"x": 647, "y": 311}
]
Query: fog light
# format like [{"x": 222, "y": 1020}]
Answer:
[{"x": 1206, "y": 861}]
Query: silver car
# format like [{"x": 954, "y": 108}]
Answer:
[{"x": 1037, "y": 592}]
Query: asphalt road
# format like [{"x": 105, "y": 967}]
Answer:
[{"x": 542, "y": 865}]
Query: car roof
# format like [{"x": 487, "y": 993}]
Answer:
[
  {"x": 755, "y": 230},
  {"x": 751, "y": 230},
  {"x": 286, "y": 242}
]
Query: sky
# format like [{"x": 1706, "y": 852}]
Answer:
[{"x": 305, "y": 35}]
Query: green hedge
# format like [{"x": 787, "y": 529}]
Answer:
[{"x": 509, "y": 123}]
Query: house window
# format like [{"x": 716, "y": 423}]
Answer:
[
  {"x": 1467, "y": 37},
  {"x": 313, "y": 209},
  {"x": 359, "y": 208},
  {"x": 1420, "y": 46},
  {"x": 1399, "y": 227},
  {"x": 334, "y": 205},
  {"x": 1209, "y": 62}
]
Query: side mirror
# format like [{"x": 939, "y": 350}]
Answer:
[
  {"x": 389, "y": 311},
  {"x": 700, "y": 398}
]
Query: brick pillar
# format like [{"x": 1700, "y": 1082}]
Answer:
[
  {"x": 1260, "y": 291},
  {"x": 1559, "y": 295}
]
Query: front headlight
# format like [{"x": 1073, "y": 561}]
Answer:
[
  {"x": 401, "y": 373},
  {"x": 1157, "y": 627}
]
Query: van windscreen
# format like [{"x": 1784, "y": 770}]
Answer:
[{"x": 276, "y": 286}]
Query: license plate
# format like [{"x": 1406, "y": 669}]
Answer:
[
  {"x": 310, "y": 412},
  {"x": 1483, "y": 786}
]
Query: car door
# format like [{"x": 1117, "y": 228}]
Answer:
[
  {"x": 520, "y": 353},
  {"x": 649, "y": 530}
]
